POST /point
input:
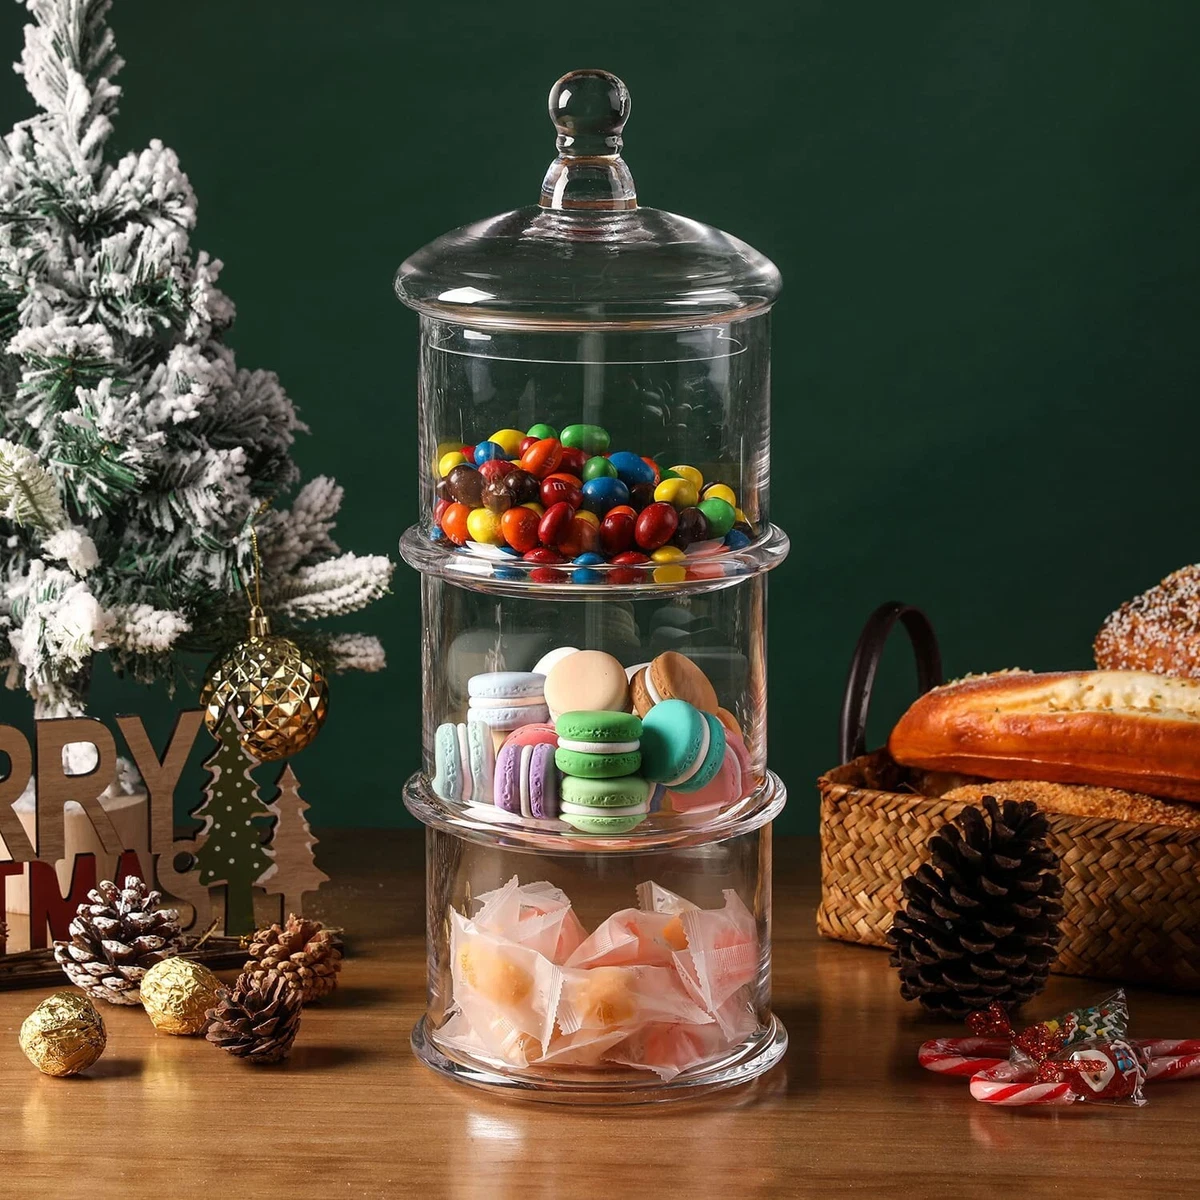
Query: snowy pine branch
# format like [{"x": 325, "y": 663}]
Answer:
[
  {"x": 353, "y": 652},
  {"x": 28, "y": 492},
  {"x": 337, "y": 585},
  {"x": 302, "y": 534}
]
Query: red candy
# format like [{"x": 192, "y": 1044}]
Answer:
[
  {"x": 656, "y": 525},
  {"x": 519, "y": 528},
  {"x": 496, "y": 468},
  {"x": 580, "y": 537},
  {"x": 572, "y": 461},
  {"x": 542, "y": 458},
  {"x": 553, "y": 525},
  {"x": 655, "y": 468},
  {"x": 454, "y": 523},
  {"x": 543, "y": 556},
  {"x": 560, "y": 486},
  {"x": 626, "y": 566},
  {"x": 468, "y": 452},
  {"x": 616, "y": 530},
  {"x": 547, "y": 575},
  {"x": 526, "y": 442},
  {"x": 439, "y": 508}
]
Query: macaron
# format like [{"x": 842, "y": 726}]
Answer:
[
  {"x": 724, "y": 788},
  {"x": 672, "y": 676},
  {"x": 586, "y": 680},
  {"x": 537, "y": 734},
  {"x": 527, "y": 782},
  {"x": 551, "y": 657},
  {"x": 598, "y": 745},
  {"x": 605, "y": 806},
  {"x": 464, "y": 763},
  {"x": 507, "y": 699},
  {"x": 681, "y": 746}
]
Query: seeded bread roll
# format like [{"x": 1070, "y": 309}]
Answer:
[
  {"x": 1122, "y": 729},
  {"x": 1157, "y": 631},
  {"x": 1076, "y": 800}
]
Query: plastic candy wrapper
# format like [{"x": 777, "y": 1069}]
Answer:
[
  {"x": 1084, "y": 1056},
  {"x": 662, "y": 987}
]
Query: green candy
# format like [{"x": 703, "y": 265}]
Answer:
[
  {"x": 669, "y": 474},
  {"x": 591, "y": 439},
  {"x": 720, "y": 514},
  {"x": 541, "y": 430},
  {"x": 598, "y": 468}
]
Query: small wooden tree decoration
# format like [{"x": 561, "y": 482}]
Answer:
[
  {"x": 291, "y": 845},
  {"x": 232, "y": 852}
]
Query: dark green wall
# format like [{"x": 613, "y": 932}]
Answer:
[{"x": 986, "y": 216}]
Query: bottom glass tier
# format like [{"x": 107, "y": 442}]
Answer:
[{"x": 595, "y": 970}]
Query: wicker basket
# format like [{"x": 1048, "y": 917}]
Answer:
[{"x": 1132, "y": 890}]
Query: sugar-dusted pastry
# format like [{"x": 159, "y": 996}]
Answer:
[{"x": 1157, "y": 631}]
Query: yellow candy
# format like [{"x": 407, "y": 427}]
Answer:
[
  {"x": 740, "y": 517},
  {"x": 672, "y": 574},
  {"x": 667, "y": 554},
  {"x": 590, "y": 517},
  {"x": 484, "y": 526},
  {"x": 721, "y": 491},
  {"x": 448, "y": 462},
  {"x": 534, "y": 506},
  {"x": 690, "y": 473},
  {"x": 509, "y": 440},
  {"x": 679, "y": 493}
]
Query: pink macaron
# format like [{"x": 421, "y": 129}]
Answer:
[
  {"x": 737, "y": 744},
  {"x": 532, "y": 735},
  {"x": 724, "y": 788}
]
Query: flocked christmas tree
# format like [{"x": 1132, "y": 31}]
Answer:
[
  {"x": 292, "y": 843},
  {"x": 231, "y": 843},
  {"x": 134, "y": 452}
]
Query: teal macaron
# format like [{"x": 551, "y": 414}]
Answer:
[
  {"x": 604, "y": 806},
  {"x": 598, "y": 745},
  {"x": 682, "y": 747}
]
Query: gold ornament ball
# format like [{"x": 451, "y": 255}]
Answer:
[
  {"x": 63, "y": 1035},
  {"x": 177, "y": 994},
  {"x": 278, "y": 694}
]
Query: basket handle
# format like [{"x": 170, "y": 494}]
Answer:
[{"x": 861, "y": 682}]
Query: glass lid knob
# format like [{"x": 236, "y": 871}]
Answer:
[{"x": 589, "y": 109}]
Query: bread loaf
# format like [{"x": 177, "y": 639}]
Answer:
[
  {"x": 1120, "y": 729},
  {"x": 1083, "y": 800}
]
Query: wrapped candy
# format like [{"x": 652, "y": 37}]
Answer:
[
  {"x": 632, "y": 936},
  {"x": 536, "y": 915},
  {"x": 625, "y": 997}
]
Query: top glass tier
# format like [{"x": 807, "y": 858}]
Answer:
[
  {"x": 586, "y": 254},
  {"x": 594, "y": 384}
]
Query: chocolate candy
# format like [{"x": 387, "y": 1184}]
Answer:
[
  {"x": 522, "y": 486},
  {"x": 542, "y": 458},
  {"x": 599, "y": 495},
  {"x": 598, "y": 467},
  {"x": 656, "y": 525},
  {"x": 630, "y": 469},
  {"x": 616, "y": 530},
  {"x": 641, "y": 495},
  {"x": 560, "y": 487},
  {"x": 496, "y": 496},
  {"x": 554, "y": 523},
  {"x": 495, "y": 468},
  {"x": 442, "y": 491},
  {"x": 519, "y": 525},
  {"x": 465, "y": 485},
  {"x": 591, "y": 439},
  {"x": 693, "y": 527},
  {"x": 488, "y": 450},
  {"x": 720, "y": 514}
]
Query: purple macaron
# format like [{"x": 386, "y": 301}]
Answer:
[{"x": 527, "y": 781}]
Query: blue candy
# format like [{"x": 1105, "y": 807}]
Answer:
[
  {"x": 583, "y": 563},
  {"x": 631, "y": 470},
  {"x": 735, "y": 539},
  {"x": 599, "y": 495},
  {"x": 486, "y": 451}
]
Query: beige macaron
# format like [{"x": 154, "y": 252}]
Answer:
[
  {"x": 672, "y": 676},
  {"x": 588, "y": 680}
]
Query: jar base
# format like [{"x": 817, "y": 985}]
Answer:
[{"x": 747, "y": 1061}]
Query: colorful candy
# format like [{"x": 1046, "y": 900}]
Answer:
[{"x": 614, "y": 517}]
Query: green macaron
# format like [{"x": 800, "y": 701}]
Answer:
[
  {"x": 596, "y": 726},
  {"x": 604, "y": 806},
  {"x": 597, "y": 766}
]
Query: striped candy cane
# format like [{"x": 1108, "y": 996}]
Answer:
[
  {"x": 1010, "y": 1085},
  {"x": 962, "y": 1056}
]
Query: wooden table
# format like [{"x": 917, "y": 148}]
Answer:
[{"x": 353, "y": 1114}]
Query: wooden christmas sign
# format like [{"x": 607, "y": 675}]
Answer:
[{"x": 244, "y": 848}]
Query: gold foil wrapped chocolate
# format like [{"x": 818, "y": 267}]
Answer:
[
  {"x": 63, "y": 1035},
  {"x": 177, "y": 994}
]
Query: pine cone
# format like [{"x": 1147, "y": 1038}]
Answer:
[
  {"x": 116, "y": 938},
  {"x": 258, "y": 1020},
  {"x": 980, "y": 922},
  {"x": 304, "y": 952}
]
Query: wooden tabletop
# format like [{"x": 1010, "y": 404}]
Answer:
[{"x": 353, "y": 1114}]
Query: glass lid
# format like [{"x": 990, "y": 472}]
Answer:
[{"x": 586, "y": 255}]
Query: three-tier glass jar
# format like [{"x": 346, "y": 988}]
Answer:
[{"x": 593, "y": 541}]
